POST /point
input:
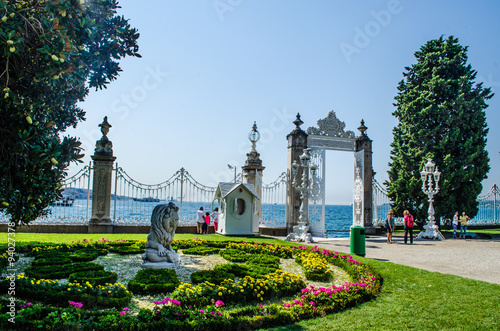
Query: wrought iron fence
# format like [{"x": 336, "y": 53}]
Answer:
[
  {"x": 133, "y": 201},
  {"x": 74, "y": 207},
  {"x": 489, "y": 208},
  {"x": 488, "y": 214},
  {"x": 274, "y": 202}
]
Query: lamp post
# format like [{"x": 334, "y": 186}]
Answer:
[
  {"x": 306, "y": 188},
  {"x": 430, "y": 176},
  {"x": 254, "y": 136},
  {"x": 231, "y": 168}
]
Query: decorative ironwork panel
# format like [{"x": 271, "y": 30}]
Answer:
[
  {"x": 358, "y": 190},
  {"x": 331, "y": 143},
  {"x": 317, "y": 193},
  {"x": 330, "y": 126}
]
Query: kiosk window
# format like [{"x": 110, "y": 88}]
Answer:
[{"x": 240, "y": 206}]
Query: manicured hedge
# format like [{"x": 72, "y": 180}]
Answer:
[
  {"x": 211, "y": 276},
  {"x": 235, "y": 255},
  {"x": 94, "y": 277},
  {"x": 62, "y": 271},
  {"x": 126, "y": 249},
  {"x": 264, "y": 260},
  {"x": 201, "y": 250},
  {"x": 52, "y": 261},
  {"x": 154, "y": 281}
]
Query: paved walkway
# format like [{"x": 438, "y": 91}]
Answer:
[{"x": 470, "y": 258}]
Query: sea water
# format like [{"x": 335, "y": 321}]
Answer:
[{"x": 338, "y": 218}]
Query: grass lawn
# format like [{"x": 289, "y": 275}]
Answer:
[
  {"x": 411, "y": 298},
  {"x": 418, "y": 299},
  {"x": 22, "y": 238}
]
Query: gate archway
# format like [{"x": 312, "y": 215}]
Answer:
[{"x": 330, "y": 135}]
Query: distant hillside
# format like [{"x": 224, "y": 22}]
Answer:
[{"x": 81, "y": 193}]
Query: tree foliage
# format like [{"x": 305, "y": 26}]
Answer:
[
  {"x": 52, "y": 53},
  {"x": 441, "y": 114}
]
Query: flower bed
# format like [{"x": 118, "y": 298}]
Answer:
[
  {"x": 207, "y": 305},
  {"x": 94, "y": 277},
  {"x": 52, "y": 292}
]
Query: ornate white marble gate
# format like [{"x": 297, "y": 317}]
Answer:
[{"x": 330, "y": 134}]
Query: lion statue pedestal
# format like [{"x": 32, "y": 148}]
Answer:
[{"x": 159, "y": 254}]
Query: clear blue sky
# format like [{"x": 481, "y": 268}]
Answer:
[{"x": 211, "y": 68}]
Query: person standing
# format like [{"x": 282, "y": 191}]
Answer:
[
  {"x": 200, "y": 221},
  {"x": 463, "y": 224},
  {"x": 215, "y": 216},
  {"x": 205, "y": 225},
  {"x": 409, "y": 224},
  {"x": 455, "y": 225},
  {"x": 390, "y": 226}
]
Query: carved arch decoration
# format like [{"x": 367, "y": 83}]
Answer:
[{"x": 330, "y": 126}]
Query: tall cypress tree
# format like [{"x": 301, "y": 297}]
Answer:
[{"x": 441, "y": 113}]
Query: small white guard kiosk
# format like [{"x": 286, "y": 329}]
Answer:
[{"x": 237, "y": 214}]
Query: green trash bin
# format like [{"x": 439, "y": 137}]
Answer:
[{"x": 358, "y": 240}]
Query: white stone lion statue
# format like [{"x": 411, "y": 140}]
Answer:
[{"x": 164, "y": 221}]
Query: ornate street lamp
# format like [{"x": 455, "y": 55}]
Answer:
[
  {"x": 254, "y": 135},
  {"x": 430, "y": 176},
  {"x": 307, "y": 189}
]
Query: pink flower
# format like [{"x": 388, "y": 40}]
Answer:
[
  {"x": 202, "y": 311},
  {"x": 123, "y": 313},
  {"x": 76, "y": 304},
  {"x": 219, "y": 303}
]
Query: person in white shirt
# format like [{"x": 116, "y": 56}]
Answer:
[
  {"x": 200, "y": 220},
  {"x": 455, "y": 225}
]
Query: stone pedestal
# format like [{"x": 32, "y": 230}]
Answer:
[
  {"x": 431, "y": 232},
  {"x": 172, "y": 256},
  {"x": 363, "y": 143},
  {"x": 101, "y": 195},
  {"x": 297, "y": 142},
  {"x": 252, "y": 174},
  {"x": 101, "y": 189},
  {"x": 300, "y": 233}
]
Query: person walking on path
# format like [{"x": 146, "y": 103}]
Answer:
[
  {"x": 390, "y": 226},
  {"x": 455, "y": 225},
  {"x": 463, "y": 224},
  {"x": 409, "y": 224},
  {"x": 200, "y": 220},
  {"x": 215, "y": 216}
]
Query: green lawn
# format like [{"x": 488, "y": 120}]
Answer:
[
  {"x": 418, "y": 299},
  {"x": 411, "y": 298},
  {"x": 22, "y": 238}
]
